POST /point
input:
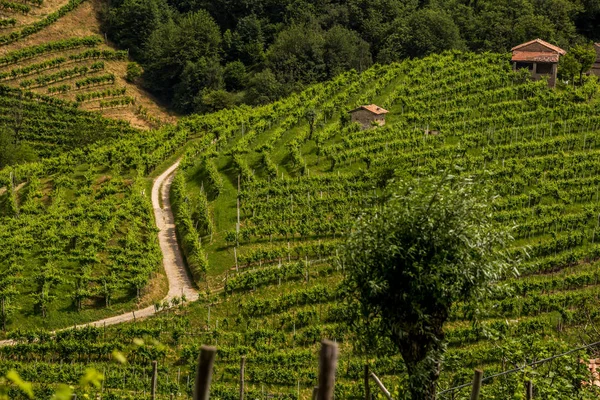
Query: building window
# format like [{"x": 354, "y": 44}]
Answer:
[
  {"x": 523, "y": 65},
  {"x": 544, "y": 68}
]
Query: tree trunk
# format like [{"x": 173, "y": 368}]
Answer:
[{"x": 422, "y": 357}]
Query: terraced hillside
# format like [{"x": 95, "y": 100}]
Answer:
[
  {"x": 297, "y": 174},
  {"x": 300, "y": 188},
  {"x": 57, "y": 49},
  {"x": 48, "y": 127}
]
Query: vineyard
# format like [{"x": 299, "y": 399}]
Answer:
[
  {"x": 55, "y": 49},
  {"x": 280, "y": 187},
  {"x": 264, "y": 197}
]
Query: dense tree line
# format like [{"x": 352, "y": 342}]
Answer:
[{"x": 201, "y": 55}]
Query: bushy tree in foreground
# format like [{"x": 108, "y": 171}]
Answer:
[{"x": 431, "y": 245}]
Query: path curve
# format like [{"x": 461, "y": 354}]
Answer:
[{"x": 178, "y": 278}]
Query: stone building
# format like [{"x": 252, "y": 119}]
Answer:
[
  {"x": 596, "y": 67},
  {"x": 539, "y": 57},
  {"x": 369, "y": 115}
]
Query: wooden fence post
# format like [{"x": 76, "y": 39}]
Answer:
[
  {"x": 154, "y": 379},
  {"x": 206, "y": 360},
  {"x": 242, "y": 366},
  {"x": 529, "y": 390},
  {"x": 366, "y": 379},
  {"x": 476, "y": 384},
  {"x": 386, "y": 392},
  {"x": 327, "y": 366}
]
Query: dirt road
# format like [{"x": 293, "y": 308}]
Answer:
[{"x": 179, "y": 281}]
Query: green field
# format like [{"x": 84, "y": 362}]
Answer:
[{"x": 270, "y": 284}]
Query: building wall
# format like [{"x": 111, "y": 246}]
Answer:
[
  {"x": 365, "y": 118},
  {"x": 537, "y": 76}
]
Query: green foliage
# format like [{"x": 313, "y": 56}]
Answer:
[
  {"x": 431, "y": 246},
  {"x": 134, "y": 71},
  {"x": 585, "y": 57},
  {"x": 568, "y": 68},
  {"x": 215, "y": 100},
  {"x": 187, "y": 233},
  {"x": 131, "y": 22},
  {"x": 183, "y": 53},
  {"x": 298, "y": 54},
  {"x": 235, "y": 75},
  {"x": 306, "y": 41},
  {"x": 344, "y": 50}
]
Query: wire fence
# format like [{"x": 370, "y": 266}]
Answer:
[{"x": 478, "y": 380}]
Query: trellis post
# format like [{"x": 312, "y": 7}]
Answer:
[
  {"x": 327, "y": 366},
  {"x": 242, "y": 367},
  {"x": 154, "y": 379},
  {"x": 206, "y": 360},
  {"x": 477, "y": 377}
]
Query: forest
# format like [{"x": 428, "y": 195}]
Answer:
[{"x": 202, "y": 56}]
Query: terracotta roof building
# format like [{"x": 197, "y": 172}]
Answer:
[
  {"x": 539, "y": 57},
  {"x": 369, "y": 115},
  {"x": 596, "y": 67}
]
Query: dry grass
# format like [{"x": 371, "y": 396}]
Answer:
[
  {"x": 37, "y": 13},
  {"x": 157, "y": 288},
  {"x": 80, "y": 22}
]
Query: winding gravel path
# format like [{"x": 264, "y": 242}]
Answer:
[{"x": 179, "y": 280}]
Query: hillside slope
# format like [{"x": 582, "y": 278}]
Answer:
[
  {"x": 93, "y": 80},
  {"x": 299, "y": 190},
  {"x": 270, "y": 284}
]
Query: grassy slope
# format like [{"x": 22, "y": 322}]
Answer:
[
  {"x": 464, "y": 101},
  {"x": 539, "y": 147},
  {"x": 82, "y": 22},
  {"x": 102, "y": 192}
]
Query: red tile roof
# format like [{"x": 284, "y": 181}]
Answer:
[
  {"x": 535, "y": 56},
  {"x": 543, "y": 43},
  {"x": 372, "y": 108}
]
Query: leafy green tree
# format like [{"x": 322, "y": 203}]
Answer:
[
  {"x": 189, "y": 44},
  {"x": 215, "y": 100},
  {"x": 263, "y": 88},
  {"x": 131, "y": 22},
  {"x": 345, "y": 50},
  {"x": 374, "y": 20},
  {"x": 533, "y": 26},
  {"x": 585, "y": 57},
  {"x": 235, "y": 75},
  {"x": 297, "y": 55},
  {"x": 431, "y": 31},
  {"x": 247, "y": 42},
  {"x": 431, "y": 245},
  {"x": 424, "y": 32},
  {"x": 134, "y": 71},
  {"x": 568, "y": 67},
  {"x": 197, "y": 77}
]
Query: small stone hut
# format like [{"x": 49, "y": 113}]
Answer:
[
  {"x": 596, "y": 67},
  {"x": 369, "y": 115},
  {"x": 539, "y": 57}
]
